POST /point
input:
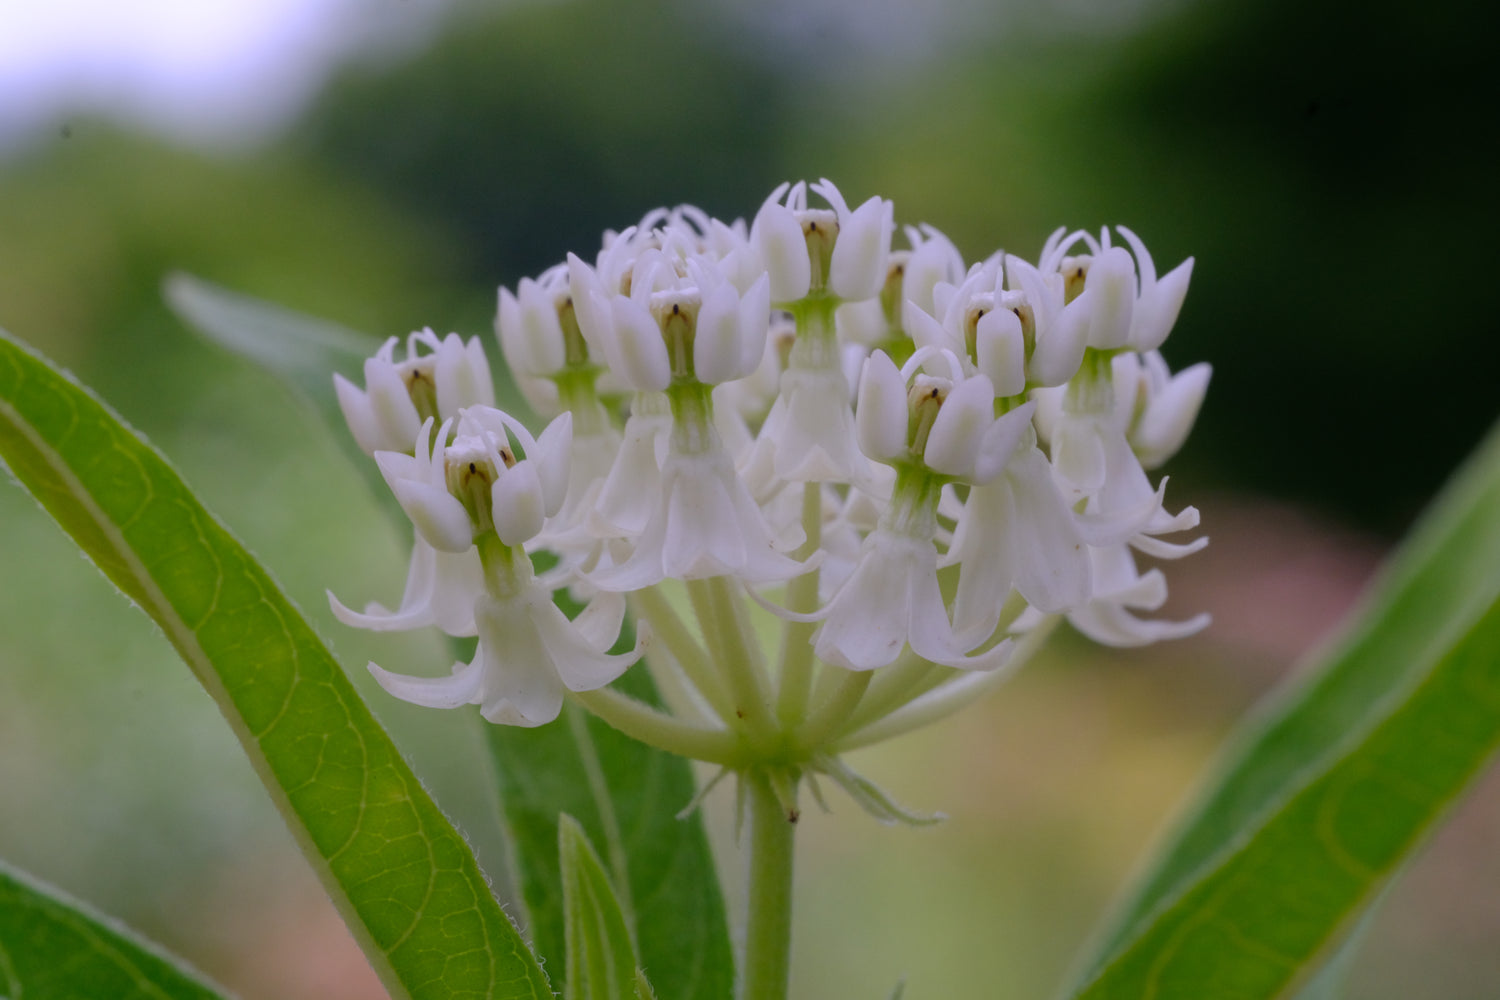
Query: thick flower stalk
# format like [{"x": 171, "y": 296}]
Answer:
[{"x": 905, "y": 469}]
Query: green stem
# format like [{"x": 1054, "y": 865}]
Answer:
[
  {"x": 836, "y": 709},
  {"x": 652, "y": 605},
  {"x": 797, "y": 663},
  {"x": 947, "y": 698},
  {"x": 642, "y": 722},
  {"x": 733, "y": 646},
  {"x": 766, "y": 964},
  {"x": 893, "y": 687}
]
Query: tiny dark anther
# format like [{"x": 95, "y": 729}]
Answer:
[
  {"x": 676, "y": 309},
  {"x": 472, "y": 469}
]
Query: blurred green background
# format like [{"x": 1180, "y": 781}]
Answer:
[{"x": 1323, "y": 164}]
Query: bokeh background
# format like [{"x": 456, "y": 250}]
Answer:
[{"x": 387, "y": 163}]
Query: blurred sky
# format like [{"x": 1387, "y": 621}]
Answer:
[
  {"x": 227, "y": 74},
  {"x": 215, "y": 73}
]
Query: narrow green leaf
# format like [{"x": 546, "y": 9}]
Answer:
[
  {"x": 398, "y": 871},
  {"x": 626, "y": 796},
  {"x": 303, "y": 349},
  {"x": 643, "y": 990},
  {"x": 57, "y": 948},
  {"x": 601, "y": 957},
  {"x": 1325, "y": 798}
]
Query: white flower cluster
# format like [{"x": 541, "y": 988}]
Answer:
[{"x": 903, "y": 457}]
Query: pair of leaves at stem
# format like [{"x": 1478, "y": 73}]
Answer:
[{"x": 394, "y": 866}]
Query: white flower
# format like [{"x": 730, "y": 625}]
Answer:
[
  {"x": 528, "y": 654},
  {"x": 387, "y": 414},
  {"x": 530, "y": 325},
  {"x": 806, "y": 250},
  {"x": 1159, "y": 407}
]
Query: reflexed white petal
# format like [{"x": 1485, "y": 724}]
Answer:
[
  {"x": 1000, "y": 351},
  {"x": 576, "y": 662},
  {"x": 718, "y": 353},
  {"x": 868, "y": 619},
  {"x": 633, "y": 486},
  {"x": 933, "y": 638},
  {"x": 639, "y": 354},
  {"x": 441, "y": 588},
  {"x": 986, "y": 548},
  {"x": 1053, "y": 571},
  {"x": 777, "y": 235},
  {"x": 462, "y": 688},
  {"x": 598, "y": 624},
  {"x": 857, "y": 270},
  {"x": 520, "y": 683},
  {"x": 519, "y": 509},
  {"x": 703, "y": 537},
  {"x": 959, "y": 429},
  {"x": 880, "y": 412},
  {"x": 1158, "y": 549},
  {"x": 815, "y": 440},
  {"x": 439, "y": 518}
]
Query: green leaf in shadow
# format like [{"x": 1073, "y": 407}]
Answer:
[
  {"x": 55, "y": 947},
  {"x": 399, "y": 873},
  {"x": 601, "y": 956},
  {"x": 1333, "y": 787}
]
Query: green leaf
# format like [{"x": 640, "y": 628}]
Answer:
[
  {"x": 57, "y": 948},
  {"x": 601, "y": 957},
  {"x": 400, "y": 874},
  {"x": 303, "y": 349},
  {"x": 1317, "y": 807},
  {"x": 626, "y": 796}
]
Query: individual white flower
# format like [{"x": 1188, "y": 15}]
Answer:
[
  {"x": 934, "y": 429},
  {"x": 683, "y": 318},
  {"x": 1130, "y": 307},
  {"x": 704, "y": 524},
  {"x": 528, "y": 655},
  {"x": 835, "y": 250},
  {"x": 892, "y": 599},
  {"x": 436, "y": 379},
  {"x": 1119, "y": 589},
  {"x": 456, "y": 491}
]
